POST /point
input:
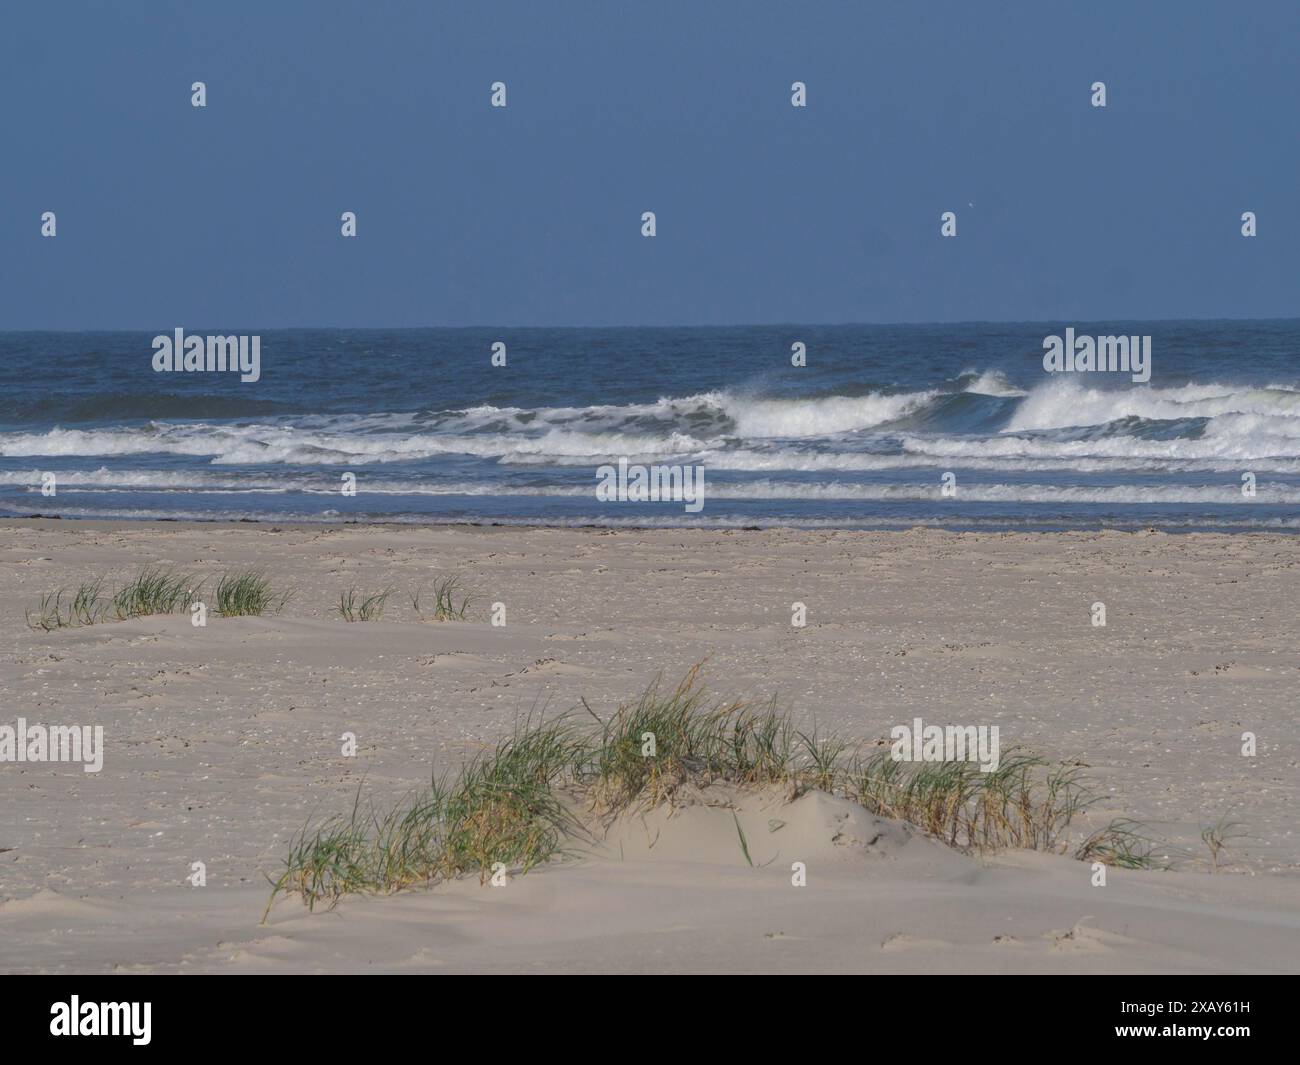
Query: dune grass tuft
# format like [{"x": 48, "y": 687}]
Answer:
[
  {"x": 444, "y": 607},
  {"x": 155, "y": 590},
  {"x": 58, "y": 610},
  {"x": 1218, "y": 836},
  {"x": 248, "y": 593},
  {"x": 1120, "y": 843},
  {"x": 502, "y": 806},
  {"x": 648, "y": 749},
  {"x": 512, "y": 805},
  {"x": 354, "y": 607}
]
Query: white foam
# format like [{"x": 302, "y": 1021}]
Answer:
[
  {"x": 758, "y": 418},
  {"x": 994, "y": 383},
  {"x": 1064, "y": 402}
]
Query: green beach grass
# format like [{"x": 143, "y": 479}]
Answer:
[
  {"x": 154, "y": 590},
  {"x": 516, "y": 803}
]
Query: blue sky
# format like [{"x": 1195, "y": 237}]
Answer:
[{"x": 229, "y": 216}]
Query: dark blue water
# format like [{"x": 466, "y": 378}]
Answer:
[{"x": 859, "y": 437}]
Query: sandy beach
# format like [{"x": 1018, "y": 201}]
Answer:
[{"x": 222, "y": 741}]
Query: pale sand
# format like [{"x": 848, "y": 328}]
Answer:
[{"x": 222, "y": 741}]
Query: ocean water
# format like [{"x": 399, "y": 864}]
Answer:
[{"x": 858, "y": 438}]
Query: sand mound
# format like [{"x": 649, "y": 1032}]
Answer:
[{"x": 734, "y": 827}]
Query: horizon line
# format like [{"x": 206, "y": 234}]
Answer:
[{"x": 678, "y": 325}]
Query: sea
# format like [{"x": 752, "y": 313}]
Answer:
[{"x": 865, "y": 435}]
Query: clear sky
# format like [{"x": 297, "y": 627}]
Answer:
[{"x": 228, "y": 216}]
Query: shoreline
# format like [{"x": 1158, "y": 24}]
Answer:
[{"x": 993, "y": 529}]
